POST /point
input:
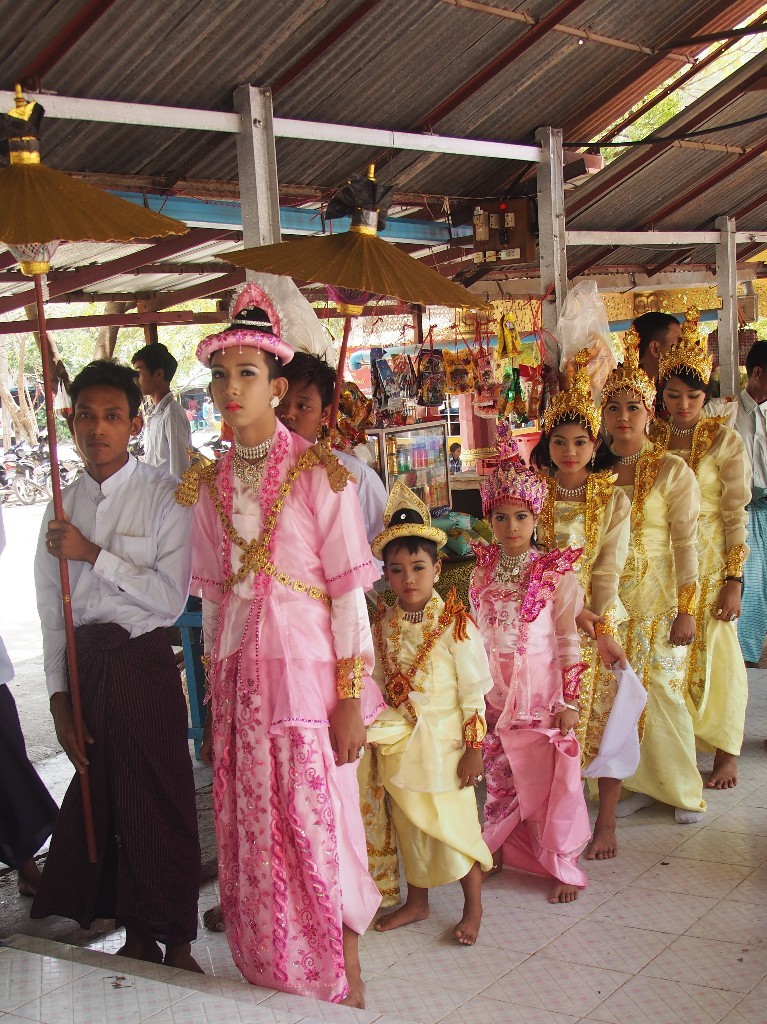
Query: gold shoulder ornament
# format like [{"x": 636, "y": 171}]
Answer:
[{"x": 201, "y": 471}]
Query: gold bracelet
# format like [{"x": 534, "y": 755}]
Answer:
[
  {"x": 349, "y": 678},
  {"x": 609, "y": 626},
  {"x": 687, "y": 600},
  {"x": 736, "y": 558},
  {"x": 474, "y": 730}
]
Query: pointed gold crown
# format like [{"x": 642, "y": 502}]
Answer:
[
  {"x": 576, "y": 402},
  {"x": 406, "y": 515},
  {"x": 688, "y": 353},
  {"x": 629, "y": 375}
]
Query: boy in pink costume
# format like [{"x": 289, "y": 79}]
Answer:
[
  {"x": 526, "y": 603},
  {"x": 281, "y": 561}
]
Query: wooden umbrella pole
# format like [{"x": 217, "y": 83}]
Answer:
[
  {"x": 66, "y": 596},
  {"x": 340, "y": 378}
]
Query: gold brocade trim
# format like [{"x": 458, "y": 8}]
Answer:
[
  {"x": 702, "y": 439},
  {"x": 349, "y": 678},
  {"x": 205, "y": 662},
  {"x": 255, "y": 553},
  {"x": 398, "y": 682},
  {"x": 188, "y": 489},
  {"x": 20, "y": 157},
  {"x": 546, "y": 518},
  {"x": 736, "y": 558},
  {"x": 686, "y": 600},
  {"x": 694, "y": 686},
  {"x": 363, "y": 229},
  {"x": 645, "y": 475},
  {"x": 610, "y": 625},
  {"x": 599, "y": 490},
  {"x": 659, "y": 432}
]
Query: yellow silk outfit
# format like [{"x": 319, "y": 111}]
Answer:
[
  {"x": 716, "y": 682},
  {"x": 660, "y": 577},
  {"x": 600, "y": 526},
  {"x": 409, "y": 777}
]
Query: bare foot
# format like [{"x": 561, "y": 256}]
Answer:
[
  {"x": 467, "y": 929},
  {"x": 181, "y": 957},
  {"x": 28, "y": 878},
  {"x": 604, "y": 843},
  {"x": 356, "y": 994},
  {"x": 725, "y": 771},
  {"x": 562, "y": 893},
  {"x": 213, "y": 919},
  {"x": 145, "y": 949},
  {"x": 407, "y": 914}
]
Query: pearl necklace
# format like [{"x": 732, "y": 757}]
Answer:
[
  {"x": 253, "y": 452},
  {"x": 510, "y": 567},
  {"x": 569, "y": 492},
  {"x": 683, "y": 433},
  {"x": 629, "y": 460}
]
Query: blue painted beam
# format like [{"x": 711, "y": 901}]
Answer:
[{"x": 293, "y": 221}]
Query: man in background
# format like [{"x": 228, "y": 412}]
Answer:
[
  {"x": 657, "y": 333},
  {"x": 167, "y": 438}
]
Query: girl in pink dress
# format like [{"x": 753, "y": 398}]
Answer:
[
  {"x": 281, "y": 561},
  {"x": 526, "y": 602}
]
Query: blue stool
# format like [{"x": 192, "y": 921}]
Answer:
[{"x": 190, "y": 625}]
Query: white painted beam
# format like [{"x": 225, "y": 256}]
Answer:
[
  {"x": 111, "y": 112},
  {"x": 655, "y": 239}
]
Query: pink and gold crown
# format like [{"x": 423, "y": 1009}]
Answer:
[
  {"x": 576, "y": 402},
  {"x": 689, "y": 353},
  {"x": 512, "y": 481},
  {"x": 629, "y": 375},
  {"x": 256, "y": 323}
]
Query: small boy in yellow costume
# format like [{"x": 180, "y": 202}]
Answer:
[{"x": 426, "y": 747}]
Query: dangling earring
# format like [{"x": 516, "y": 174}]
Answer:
[
  {"x": 647, "y": 428},
  {"x": 593, "y": 458},
  {"x": 274, "y": 401}
]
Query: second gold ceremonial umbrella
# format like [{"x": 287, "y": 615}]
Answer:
[
  {"x": 39, "y": 209},
  {"x": 357, "y": 259}
]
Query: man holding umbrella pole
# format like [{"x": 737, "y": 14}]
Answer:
[{"x": 126, "y": 541}]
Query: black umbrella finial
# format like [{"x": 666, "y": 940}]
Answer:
[{"x": 364, "y": 200}]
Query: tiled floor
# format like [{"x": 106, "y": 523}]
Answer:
[{"x": 674, "y": 931}]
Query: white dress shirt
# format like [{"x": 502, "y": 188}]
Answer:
[
  {"x": 168, "y": 437},
  {"x": 141, "y": 577},
  {"x": 751, "y": 424},
  {"x": 370, "y": 490}
]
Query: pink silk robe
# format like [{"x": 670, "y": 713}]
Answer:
[
  {"x": 535, "y": 807},
  {"x": 292, "y": 853}
]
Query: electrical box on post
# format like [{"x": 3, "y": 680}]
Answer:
[{"x": 504, "y": 232}]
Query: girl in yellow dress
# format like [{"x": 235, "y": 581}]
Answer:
[
  {"x": 716, "y": 681},
  {"x": 584, "y": 509},
  {"x": 658, "y": 588},
  {"x": 426, "y": 755}
]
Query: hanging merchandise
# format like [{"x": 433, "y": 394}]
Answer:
[
  {"x": 405, "y": 373},
  {"x": 487, "y": 388},
  {"x": 535, "y": 395},
  {"x": 459, "y": 372},
  {"x": 431, "y": 373},
  {"x": 509, "y": 345},
  {"x": 583, "y": 324}
]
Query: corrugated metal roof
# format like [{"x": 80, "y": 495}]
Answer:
[{"x": 391, "y": 69}]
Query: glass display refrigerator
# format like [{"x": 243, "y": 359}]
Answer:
[{"x": 416, "y": 455}]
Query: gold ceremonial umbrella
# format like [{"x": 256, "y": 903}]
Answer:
[
  {"x": 39, "y": 209},
  {"x": 357, "y": 259}
]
